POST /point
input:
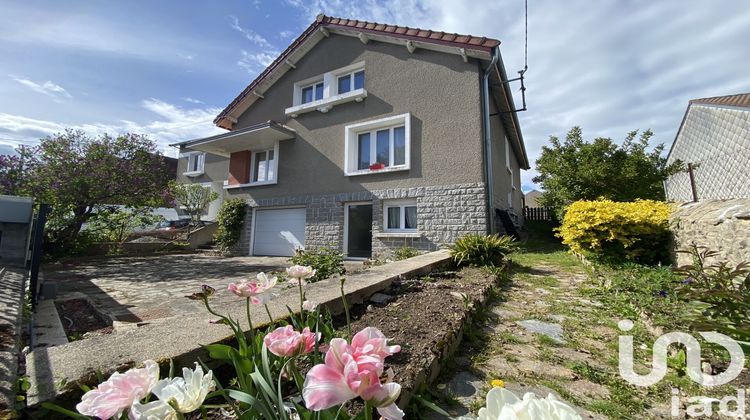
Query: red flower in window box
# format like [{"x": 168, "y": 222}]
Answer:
[{"x": 377, "y": 165}]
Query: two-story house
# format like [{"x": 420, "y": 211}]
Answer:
[{"x": 367, "y": 137}]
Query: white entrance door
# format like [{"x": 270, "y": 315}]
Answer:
[{"x": 278, "y": 232}]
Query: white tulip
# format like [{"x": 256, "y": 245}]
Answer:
[
  {"x": 186, "y": 394},
  {"x": 155, "y": 410},
  {"x": 505, "y": 405}
]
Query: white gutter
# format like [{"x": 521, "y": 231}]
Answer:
[{"x": 488, "y": 139}]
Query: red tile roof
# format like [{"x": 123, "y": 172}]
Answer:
[
  {"x": 415, "y": 34},
  {"x": 740, "y": 99}
]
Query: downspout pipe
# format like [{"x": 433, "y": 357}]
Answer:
[{"x": 488, "y": 173}]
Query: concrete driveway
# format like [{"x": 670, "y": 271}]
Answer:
[{"x": 136, "y": 289}]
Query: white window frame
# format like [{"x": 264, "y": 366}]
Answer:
[
  {"x": 191, "y": 157},
  {"x": 351, "y": 136},
  {"x": 402, "y": 204},
  {"x": 274, "y": 166},
  {"x": 312, "y": 85},
  {"x": 350, "y": 75},
  {"x": 331, "y": 97}
]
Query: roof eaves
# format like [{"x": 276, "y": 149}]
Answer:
[{"x": 268, "y": 124}]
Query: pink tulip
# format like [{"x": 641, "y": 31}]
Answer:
[
  {"x": 285, "y": 342},
  {"x": 353, "y": 371},
  {"x": 256, "y": 289},
  {"x": 119, "y": 392}
]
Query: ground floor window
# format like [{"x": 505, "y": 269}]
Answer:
[{"x": 400, "y": 216}]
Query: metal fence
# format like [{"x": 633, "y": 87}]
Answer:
[
  {"x": 37, "y": 241},
  {"x": 538, "y": 213}
]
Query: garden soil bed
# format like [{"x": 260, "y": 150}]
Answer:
[
  {"x": 423, "y": 317},
  {"x": 80, "y": 318}
]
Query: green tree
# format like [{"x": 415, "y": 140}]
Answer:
[
  {"x": 75, "y": 173},
  {"x": 193, "y": 199},
  {"x": 574, "y": 169},
  {"x": 115, "y": 224}
]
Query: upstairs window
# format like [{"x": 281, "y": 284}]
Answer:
[
  {"x": 351, "y": 81},
  {"x": 380, "y": 145},
  {"x": 313, "y": 92},
  {"x": 386, "y": 147},
  {"x": 331, "y": 88},
  {"x": 195, "y": 163},
  {"x": 264, "y": 166}
]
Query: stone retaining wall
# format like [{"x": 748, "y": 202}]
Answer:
[
  {"x": 444, "y": 213},
  {"x": 720, "y": 225}
]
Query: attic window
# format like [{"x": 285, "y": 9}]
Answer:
[{"x": 312, "y": 92}]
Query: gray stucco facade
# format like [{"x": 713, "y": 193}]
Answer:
[
  {"x": 716, "y": 140},
  {"x": 441, "y": 94}
]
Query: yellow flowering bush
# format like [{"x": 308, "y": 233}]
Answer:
[{"x": 618, "y": 231}]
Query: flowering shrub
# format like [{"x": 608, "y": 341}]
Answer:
[{"x": 615, "y": 231}]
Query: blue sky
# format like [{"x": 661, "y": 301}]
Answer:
[{"x": 167, "y": 68}]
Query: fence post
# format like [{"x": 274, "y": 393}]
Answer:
[
  {"x": 692, "y": 181},
  {"x": 36, "y": 251}
]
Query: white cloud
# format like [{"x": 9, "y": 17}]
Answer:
[
  {"x": 46, "y": 88},
  {"x": 251, "y": 35},
  {"x": 192, "y": 100},
  {"x": 173, "y": 125},
  {"x": 254, "y": 63},
  {"x": 285, "y": 35}
]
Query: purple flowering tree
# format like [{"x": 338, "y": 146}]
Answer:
[{"x": 75, "y": 173}]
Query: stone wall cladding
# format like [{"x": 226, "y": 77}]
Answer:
[
  {"x": 444, "y": 213},
  {"x": 720, "y": 225}
]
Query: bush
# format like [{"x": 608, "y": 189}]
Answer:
[
  {"x": 616, "y": 232},
  {"x": 720, "y": 294},
  {"x": 230, "y": 219},
  {"x": 482, "y": 250},
  {"x": 404, "y": 253},
  {"x": 326, "y": 262}
]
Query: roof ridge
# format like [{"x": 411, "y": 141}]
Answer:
[{"x": 736, "y": 99}]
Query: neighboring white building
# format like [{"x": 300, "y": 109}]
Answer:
[
  {"x": 15, "y": 229},
  {"x": 714, "y": 138}
]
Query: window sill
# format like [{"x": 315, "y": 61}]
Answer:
[
  {"x": 378, "y": 171},
  {"x": 325, "y": 104},
  {"x": 392, "y": 234},
  {"x": 249, "y": 184},
  {"x": 193, "y": 173}
]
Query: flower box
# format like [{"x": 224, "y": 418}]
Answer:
[{"x": 377, "y": 166}]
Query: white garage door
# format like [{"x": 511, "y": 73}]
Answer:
[{"x": 279, "y": 232}]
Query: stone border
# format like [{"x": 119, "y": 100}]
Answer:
[
  {"x": 450, "y": 343},
  {"x": 11, "y": 319},
  {"x": 77, "y": 362}
]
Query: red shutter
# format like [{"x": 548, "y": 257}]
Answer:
[{"x": 239, "y": 167}]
